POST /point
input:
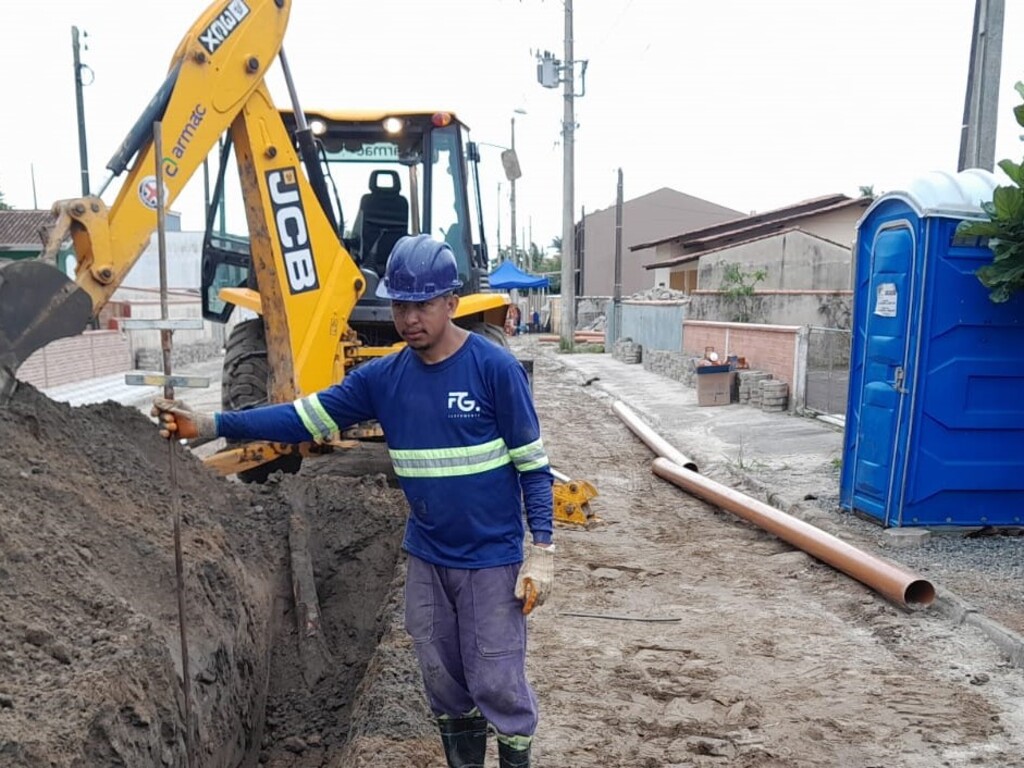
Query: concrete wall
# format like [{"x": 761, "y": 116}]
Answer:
[
  {"x": 86, "y": 356},
  {"x": 793, "y": 260},
  {"x": 661, "y": 213},
  {"x": 830, "y": 309},
  {"x": 145, "y": 304},
  {"x": 184, "y": 263}
]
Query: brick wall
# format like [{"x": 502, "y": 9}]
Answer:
[
  {"x": 88, "y": 355},
  {"x": 772, "y": 348}
]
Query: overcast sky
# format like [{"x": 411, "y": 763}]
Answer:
[{"x": 751, "y": 104}]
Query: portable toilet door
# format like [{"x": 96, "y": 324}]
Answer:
[
  {"x": 886, "y": 253},
  {"x": 934, "y": 425}
]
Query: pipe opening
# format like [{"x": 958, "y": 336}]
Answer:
[{"x": 919, "y": 592}]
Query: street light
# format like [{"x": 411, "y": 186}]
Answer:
[
  {"x": 512, "y": 195},
  {"x": 510, "y": 164}
]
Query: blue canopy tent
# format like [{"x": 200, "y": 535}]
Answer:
[{"x": 509, "y": 276}]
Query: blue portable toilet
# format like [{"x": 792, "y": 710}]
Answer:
[{"x": 935, "y": 415}]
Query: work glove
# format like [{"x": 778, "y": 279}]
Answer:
[
  {"x": 536, "y": 576},
  {"x": 178, "y": 420}
]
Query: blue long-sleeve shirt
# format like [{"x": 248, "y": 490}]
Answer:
[{"x": 464, "y": 439}]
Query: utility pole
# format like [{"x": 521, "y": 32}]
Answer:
[
  {"x": 512, "y": 194},
  {"x": 978, "y": 134},
  {"x": 512, "y": 200},
  {"x": 83, "y": 153},
  {"x": 498, "y": 217},
  {"x": 550, "y": 72},
  {"x": 568, "y": 178},
  {"x": 617, "y": 293}
]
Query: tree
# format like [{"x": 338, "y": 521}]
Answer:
[
  {"x": 867, "y": 190},
  {"x": 3, "y": 205},
  {"x": 1004, "y": 229}
]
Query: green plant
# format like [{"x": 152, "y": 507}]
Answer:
[
  {"x": 579, "y": 349},
  {"x": 1004, "y": 276},
  {"x": 738, "y": 289}
]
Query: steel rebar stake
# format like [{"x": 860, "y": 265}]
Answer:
[{"x": 166, "y": 347}]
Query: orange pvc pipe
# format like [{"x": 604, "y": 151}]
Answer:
[
  {"x": 892, "y": 581},
  {"x": 652, "y": 439}
]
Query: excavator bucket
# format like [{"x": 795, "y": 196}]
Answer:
[{"x": 38, "y": 304}]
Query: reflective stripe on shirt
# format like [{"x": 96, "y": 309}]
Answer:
[
  {"x": 450, "y": 462},
  {"x": 468, "y": 460},
  {"x": 529, "y": 456},
  {"x": 315, "y": 418}
]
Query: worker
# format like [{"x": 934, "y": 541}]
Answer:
[
  {"x": 466, "y": 446},
  {"x": 512, "y": 320}
]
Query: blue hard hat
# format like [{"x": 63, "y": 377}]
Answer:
[{"x": 419, "y": 268}]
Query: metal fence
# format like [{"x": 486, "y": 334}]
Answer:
[{"x": 828, "y": 370}]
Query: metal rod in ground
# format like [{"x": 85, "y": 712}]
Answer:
[{"x": 166, "y": 347}]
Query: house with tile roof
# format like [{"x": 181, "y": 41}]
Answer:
[
  {"x": 23, "y": 233},
  {"x": 804, "y": 246}
]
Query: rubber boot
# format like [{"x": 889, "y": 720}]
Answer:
[
  {"x": 465, "y": 741},
  {"x": 510, "y": 757}
]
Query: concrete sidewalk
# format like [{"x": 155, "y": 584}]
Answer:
[{"x": 787, "y": 457}]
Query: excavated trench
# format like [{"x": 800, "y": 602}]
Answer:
[{"x": 89, "y": 646}]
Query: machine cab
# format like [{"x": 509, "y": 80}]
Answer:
[{"x": 386, "y": 175}]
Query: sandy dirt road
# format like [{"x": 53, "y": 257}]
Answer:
[
  {"x": 733, "y": 648},
  {"x": 677, "y": 635}
]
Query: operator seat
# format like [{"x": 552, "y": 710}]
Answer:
[{"x": 383, "y": 219}]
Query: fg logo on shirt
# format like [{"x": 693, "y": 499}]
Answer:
[{"x": 463, "y": 403}]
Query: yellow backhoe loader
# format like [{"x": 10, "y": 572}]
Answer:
[
  {"x": 304, "y": 274},
  {"x": 278, "y": 242}
]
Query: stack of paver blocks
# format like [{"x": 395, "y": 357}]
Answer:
[
  {"x": 774, "y": 395},
  {"x": 627, "y": 351},
  {"x": 673, "y": 365},
  {"x": 750, "y": 386}
]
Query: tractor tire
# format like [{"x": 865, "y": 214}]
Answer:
[
  {"x": 496, "y": 335},
  {"x": 493, "y": 333},
  {"x": 245, "y": 383}
]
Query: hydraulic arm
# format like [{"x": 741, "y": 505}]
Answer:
[{"x": 307, "y": 283}]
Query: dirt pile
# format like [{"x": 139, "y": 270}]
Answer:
[
  {"x": 89, "y": 646},
  {"x": 89, "y": 650}
]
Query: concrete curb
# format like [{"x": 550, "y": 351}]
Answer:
[{"x": 960, "y": 612}]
